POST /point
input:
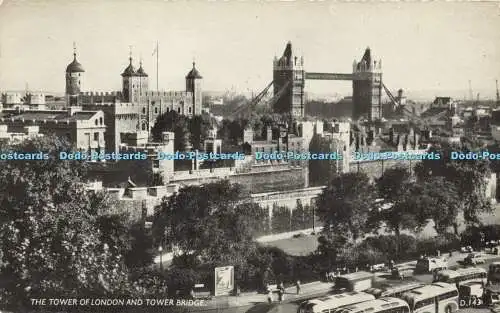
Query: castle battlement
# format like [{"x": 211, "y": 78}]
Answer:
[
  {"x": 294, "y": 64},
  {"x": 167, "y": 93},
  {"x": 101, "y": 93},
  {"x": 362, "y": 66}
]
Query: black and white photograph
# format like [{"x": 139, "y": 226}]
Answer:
[{"x": 249, "y": 156}]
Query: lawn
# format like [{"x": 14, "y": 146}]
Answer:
[{"x": 296, "y": 246}]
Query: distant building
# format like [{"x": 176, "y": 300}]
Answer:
[
  {"x": 84, "y": 129},
  {"x": 11, "y": 137},
  {"x": 28, "y": 101}
]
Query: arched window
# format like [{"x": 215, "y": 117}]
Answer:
[
  {"x": 96, "y": 122},
  {"x": 143, "y": 126},
  {"x": 143, "y": 110},
  {"x": 156, "y": 110},
  {"x": 179, "y": 110},
  {"x": 101, "y": 121},
  {"x": 190, "y": 109}
]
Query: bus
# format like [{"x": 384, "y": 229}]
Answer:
[
  {"x": 462, "y": 275},
  {"x": 357, "y": 281},
  {"x": 427, "y": 265},
  {"x": 393, "y": 289},
  {"x": 329, "y": 303},
  {"x": 434, "y": 298},
  {"x": 494, "y": 273},
  {"x": 382, "y": 305}
]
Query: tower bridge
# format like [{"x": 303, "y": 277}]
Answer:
[{"x": 289, "y": 82}]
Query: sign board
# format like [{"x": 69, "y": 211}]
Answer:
[{"x": 224, "y": 280}]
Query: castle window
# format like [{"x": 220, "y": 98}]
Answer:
[{"x": 156, "y": 110}]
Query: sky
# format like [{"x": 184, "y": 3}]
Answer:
[{"x": 434, "y": 47}]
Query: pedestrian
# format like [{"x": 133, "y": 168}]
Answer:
[
  {"x": 298, "y": 286},
  {"x": 281, "y": 286},
  {"x": 269, "y": 296},
  {"x": 280, "y": 295}
]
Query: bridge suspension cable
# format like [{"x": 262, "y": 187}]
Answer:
[
  {"x": 252, "y": 103},
  {"x": 244, "y": 107}
]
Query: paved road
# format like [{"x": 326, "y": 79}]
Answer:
[{"x": 426, "y": 278}]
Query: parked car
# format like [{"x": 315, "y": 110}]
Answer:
[
  {"x": 473, "y": 259},
  {"x": 467, "y": 249},
  {"x": 493, "y": 250},
  {"x": 428, "y": 265}
]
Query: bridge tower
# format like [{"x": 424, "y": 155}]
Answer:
[
  {"x": 288, "y": 73},
  {"x": 367, "y": 88}
]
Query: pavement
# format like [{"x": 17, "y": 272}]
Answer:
[
  {"x": 250, "y": 299},
  {"x": 251, "y": 302}
]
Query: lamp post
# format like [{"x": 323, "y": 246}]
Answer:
[{"x": 160, "y": 250}]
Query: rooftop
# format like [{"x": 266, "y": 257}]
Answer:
[{"x": 40, "y": 115}]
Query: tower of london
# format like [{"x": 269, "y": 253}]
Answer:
[{"x": 135, "y": 108}]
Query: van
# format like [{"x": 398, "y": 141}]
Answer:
[
  {"x": 402, "y": 272},
  {"x": 357, "y": 281},
  {"x": 428, "y": 265}
]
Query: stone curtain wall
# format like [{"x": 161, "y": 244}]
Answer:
[
  {"x": 271, "y": 181},
  {"x": 375, "y": 169}
]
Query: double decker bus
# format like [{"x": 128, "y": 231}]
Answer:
[
  {"x": 382, "y": 305},
  {"x": 328, "y": 304},
  {"x": 463, "y": 275},
  {"x": 393, "y": 289},
  {"x": 434, "y": 298}
]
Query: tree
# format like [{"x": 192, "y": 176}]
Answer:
[
  {"x": 281, "y": 220},
  {"x": 396, "y": 211},
  {"x": 173, "y": 122},
  {"x": 210, "y": 221},
  {"x": 344, "y": 205},
  {"x": 214, "y": 226},
  {"x": 469, "y": 177},
  {"x": 302, "y": 217},
  {"x": 199, "y": 127},
  {"x": 435, "y": 199},
  {"x": 232, "y": 130},
  {"x": 51, "y": 244}
]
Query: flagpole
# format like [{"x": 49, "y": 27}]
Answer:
[{"x": 157, "y": 53}]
